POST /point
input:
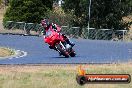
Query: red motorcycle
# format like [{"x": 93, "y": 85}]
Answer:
[{"x": 57, "y": 41}]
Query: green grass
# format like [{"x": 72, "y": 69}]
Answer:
[
  {"x": 38, "y": 80},
  {"x": 4, "y": 52},
  {"x": 63, "y": 76},
  {"x": 0, "y": 2}
]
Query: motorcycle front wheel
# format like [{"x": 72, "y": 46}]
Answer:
[{"x": 62, "y": 51}]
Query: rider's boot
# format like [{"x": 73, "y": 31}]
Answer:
[
  {"x": 51, "y": 47},
  {"x": 68, "y": 41}
]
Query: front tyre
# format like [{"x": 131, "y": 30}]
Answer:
[{"x": 62, "y": 51}]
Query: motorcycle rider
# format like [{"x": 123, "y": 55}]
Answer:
[{"x": 46, "y": 24}]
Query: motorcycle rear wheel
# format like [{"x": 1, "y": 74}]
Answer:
[{"x": 73, "y": 54}]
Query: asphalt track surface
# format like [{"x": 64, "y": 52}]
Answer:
[{"x": 88, "y": 51}]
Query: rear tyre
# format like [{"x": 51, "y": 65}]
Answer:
[
  {"x": 72, "y": 54},
  {"x": 63, "y": 52}
]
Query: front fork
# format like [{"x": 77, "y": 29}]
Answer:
[{"x": 63, "y": 47}]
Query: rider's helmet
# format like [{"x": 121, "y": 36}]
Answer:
[{"x": 45, "y": 22}]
